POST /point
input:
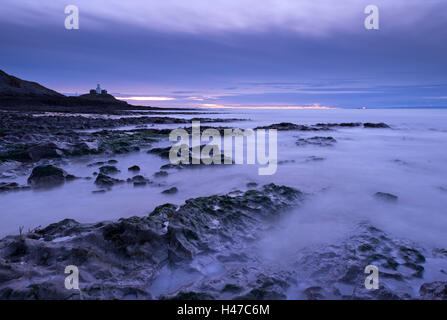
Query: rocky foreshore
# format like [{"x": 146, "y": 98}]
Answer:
[
  {"x": 208, "y": 248},
  {"x": 124, "y": 259},
  {"x": 30, "y": 138}
]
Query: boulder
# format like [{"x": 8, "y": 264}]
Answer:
[
  {"x": 44, "y": 150},
  {"x": 103, "y": 180},
  {"x": 160, "y": 174},
  {"x": 108, "y": 170},
  {"x": 134, "y": 168},
  {"x": 170, "y": 190},
  {"x": 386, "y": 196},
  {"x": 375, "y": 125},
  {"x": 47, "y": 176},
  {"x": 139, "y": 181}
]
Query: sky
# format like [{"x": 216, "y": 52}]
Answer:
[{"x": 234, "y": 53}]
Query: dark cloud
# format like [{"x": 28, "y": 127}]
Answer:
[{"x": 263, "y": 59}]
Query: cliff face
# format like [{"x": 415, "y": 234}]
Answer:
[
  {"x": 20, "y": 94},
  {"x": 13, "y": 86}
]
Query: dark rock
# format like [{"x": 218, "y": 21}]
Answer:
[
  {"x": 112, "y": 161},
  {"x": 232, "y": 288},
  {"x": 262, "y": 294},
  {"x": 314, "y": 158},
  {"x": 108, "y": 170},
  {"x": 162, "y": 152},
  {"x": 281, "y": 162},
  {"x": 119, "y": 259},
  {"x": 44, "y": 150},
  {"x": 386, "y": 196},
  {"x": 314, "y": 293},
  {"x": 134, "y": 168},
  {"x": 376, "y": 125},
  {"x": 47, "y": 176},
  {"x": 286, "y": 126},
  {"x": 70, "y": 177},
  {"x": 160, "y": 174},
  {"x": 434, "y": 290},
  {"x": 318, "y": 141},
  {"x": 192, "y": 296},
  {"x": 11, "y": 186},
  {"x": 187, "y": 162},
  {"x": 103, "y": 180},
  {"x": 252, "y": 185},
  {"x": 99, "y": 163},
  {"x": 170, "y": 190},
  {"x": 343, "y": 124},
  {"x": 139, "y": 181}
]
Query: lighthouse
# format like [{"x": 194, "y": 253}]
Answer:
[{"x": 98, "y": 89}]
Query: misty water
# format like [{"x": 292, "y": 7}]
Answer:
[{"x": 408, "y": 160}]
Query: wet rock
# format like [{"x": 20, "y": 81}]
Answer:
[
  {"x": 134, "y": 168},
  {"x": 434, "y": 290},
  {"x": 170, "y": 190},
  {"x": 191, "y": 295},
  {"x": 139, "y": 181},
  {"x": 386, "y": 196},
  {"x": 98, "y": 163},
  {"x": 287, "y": 126},
  {"x": 314, "y": 158},
  {"x": 161, "y": 173},
  {"x": 376, "y": 125},
  {"x": 339, "y": 268},
  {"x": 162, "y": 152},
  {"x": 44, "y": 150},
  {"x": 103, "y": 180},
  {"x": 83, "y": 148},
  {"x": 119, "y": 259},
  {"x": 318, "y": 141},
  {"x": 314, "y": 293},
  {"x": 112, "y": 161},
  {"x": 47, "y": 176},
  {"x": 108, "y": 170},
  {"x": 343, "y": 124},
  {"x": 285, "y": 162},
  {"x": 99, "y": 191},
  {"x": 12, "y": 186},
  {"x": 188, "y": 157}
]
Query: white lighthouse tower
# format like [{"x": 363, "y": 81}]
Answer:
[{"x": 98, "y": 89}]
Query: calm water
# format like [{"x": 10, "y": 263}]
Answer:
[{"x": 408, "y": 161}]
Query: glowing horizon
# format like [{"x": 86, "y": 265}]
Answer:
[
  {"x": 314, "y": 107},
  {"x": 146, "y": 98}
]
